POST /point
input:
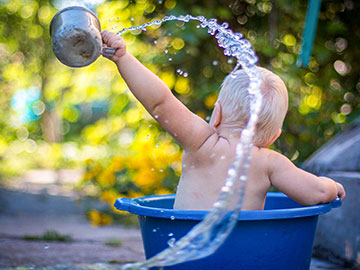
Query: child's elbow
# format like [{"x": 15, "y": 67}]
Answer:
[
  {"x": 327, "y": 195},
  {"x": 328, "y": 191},
  {"x": 324, "y": 195}
]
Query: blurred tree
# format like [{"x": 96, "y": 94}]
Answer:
[{"x": 88, "y": 116}]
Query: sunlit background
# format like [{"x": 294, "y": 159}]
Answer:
[{"x": 56, "y": 117}]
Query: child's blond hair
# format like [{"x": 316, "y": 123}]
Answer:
[{"x": 235, "y": 101}]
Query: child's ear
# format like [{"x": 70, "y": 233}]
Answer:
[
  {"x": 275, "y": 138},
  {"x": 216, "y": 115}
]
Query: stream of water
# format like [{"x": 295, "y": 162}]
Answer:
[{"x": 208, "y": 235}]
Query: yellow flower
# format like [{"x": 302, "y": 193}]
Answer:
[
  {"x": 146, "y": 179},
  {"x": 97, "y": 218},
  {"x": 88, "y": 176},
  {"x": 106, "y": 178},
  {"x": 89, "y": 162},
  {"x": 109, "y": 196},
  {"x": 106, "y": 219},
  {"x": 162, "y": 191},
  {"x": 134, "y": 194},
  {"x": 117, "y": 163},
  {"x": 210, "y": 100}
]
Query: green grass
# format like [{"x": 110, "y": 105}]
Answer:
[
  {"x": 50, "y": 236},
  {"x": 114, "y": 243}
]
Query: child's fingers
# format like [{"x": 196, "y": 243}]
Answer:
[
  {"x": 105, "y": 35},
  {"x": 113, "y": 39},
  {"x": 118, "y": 44},
  {"x": 341, "y": 191},
  {"x": 109, "y": 37},
  {"x": 342, "y": 195}
]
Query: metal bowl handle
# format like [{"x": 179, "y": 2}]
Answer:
[{"x": 107, "y": 51}]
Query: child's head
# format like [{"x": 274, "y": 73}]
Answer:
[{"x": 235, "y": 103}]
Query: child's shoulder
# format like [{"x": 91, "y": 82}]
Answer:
[
  {"x": 272, "y": 160},
  {"x": 265, "y": 157},
  {"x": 266, "y": 152}
]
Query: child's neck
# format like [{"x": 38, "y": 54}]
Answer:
[{"x": 228, "y": 131}]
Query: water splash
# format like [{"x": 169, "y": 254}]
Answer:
[{"x": 209, "y": 234}]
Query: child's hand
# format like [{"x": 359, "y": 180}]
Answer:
[
  {"x": 341, "y": 191},
  {"x": 113, "y": 40}
]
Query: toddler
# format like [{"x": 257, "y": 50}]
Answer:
[{"x": 209, "y": 148}]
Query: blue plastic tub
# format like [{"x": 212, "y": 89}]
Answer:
[{"x": 281, "y": 237}]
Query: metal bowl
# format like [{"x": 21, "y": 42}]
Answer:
[{"x": 75, "y": 32}]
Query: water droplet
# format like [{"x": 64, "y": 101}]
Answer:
[
  {"x": 172, "y": 218},
  {"x": 156, "y": 116},
  {"x": 155, "y": 42},
  {"x": 166, "y": 51},
  {"x": 225, "y": 25},
  {"x": 170, "y": 59},
  {"x": 157, "y": 145},
  {"x": 232, "y": 172},
  {"x": 229, "y": 184},
  {"x": 185, "y": 74},
  {"x": 230, "y": 61},
  {"x": 218, "y": 204},
  {"x": 46, "y": 246},
  {"x": 161, "y": 170},
  {"x": 132, "y": 19},
  {"x": 171, "y": 242},
  {"x": 215, "y": 63},
  {"x": 170, "y": 234},
  {"x": 154, "y": 230}
]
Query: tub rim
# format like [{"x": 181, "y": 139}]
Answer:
[{"x": 134, "y": 206}]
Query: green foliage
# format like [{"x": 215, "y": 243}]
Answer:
[
  {"x": 114, "y": 243},
  {"x": 88, "y": 118},
  {"x": 49, "y": 236}
]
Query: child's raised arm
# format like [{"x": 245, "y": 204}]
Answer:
[
  {"x": 303, "y": 187},
  {"x": 187, "y": 128}
]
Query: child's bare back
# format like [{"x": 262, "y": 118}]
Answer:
[{"x": 205, "y": 171}]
